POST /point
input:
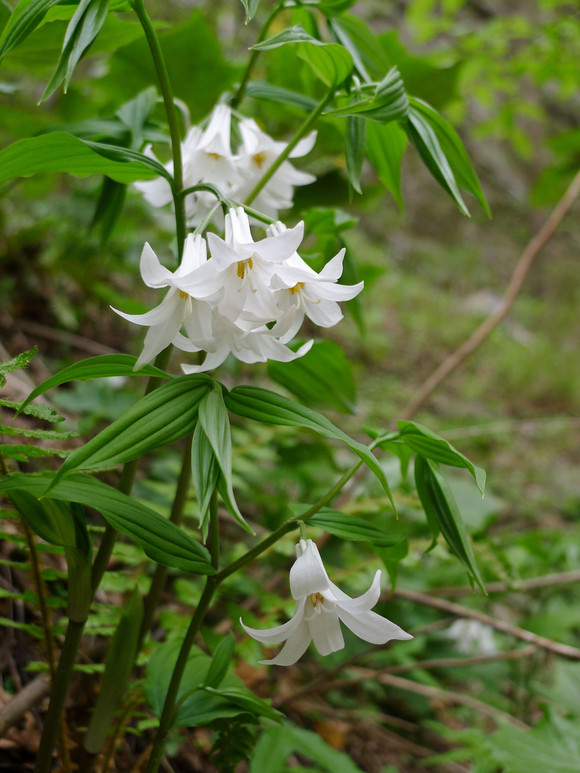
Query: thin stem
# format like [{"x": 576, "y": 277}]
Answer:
[
  {"x": 239, "y": 95},
  {"x": 303, "y": 128},
  {"x": 172, "y": 119},
  {"x": 53, "y": 717}
]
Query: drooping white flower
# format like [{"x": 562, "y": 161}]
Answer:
[
  {"x": 320, "y": 606},
  {"x": 178, "y": 309},
  {"x": 257, "y": 153},
  {"x": 471, "y": 637}
]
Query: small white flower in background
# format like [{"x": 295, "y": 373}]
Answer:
[
  {"x": 320, "y": 606},
  {"x": 207, "y": 157},
  {"x": 472, "y": 637}
]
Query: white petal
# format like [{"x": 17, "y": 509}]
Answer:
[
  {"x": 184, "y": 344},
  {"x": 371, "y": 627},
  {"x": 155, "y": 316},
  {"x": 157, "y": 192},
  {"x": 332, "y": 271},
  {"x": 334, "y": 292},
  {"x": 272, "y": 636},
  {"x": 276, "y": 249},
  {"x": 153, "y": 273},
  {"x": 308, "y": 574},
  {"x": 323, "y": 313},
  {"x": 324, "y": 628},
  {"x": 304, "y": 146},
  {"x": 238, "y": 228},
  {"x": 360, "y": 603},
  {"x": 159, "y": 337},
  {"x": 295, "y": 647},
  {"x": 194, "y": 255},
  {"x": 212, "y": 360}
]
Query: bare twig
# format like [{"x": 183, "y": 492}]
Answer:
[
  {"x": 526, "y": 652},
  {"x": 30, "y": 695},
  {"x": 520, "y": 272},
  {"x": 560, "y": 578},
  {"x": 78, "y": 342},
  {"x": 564, "y": 650}
]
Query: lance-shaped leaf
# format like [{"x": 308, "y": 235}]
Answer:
[
  {"x": 220, "y": 662},
  {"x": 62, "y": 152},
  {"x": 24, "y": 20},
  {"x": 426, "y": 143},
  {"x": 251, "y": 7},
  {"x": 443, "y": 514},
  {"x": 270, "y": 93},
  {"x": 215, "y": 422},
  {"x": 349, "y": 527},
  {"x": 271, "y": 408},
  {"x": 205, "y": 472},
  {"x": 330, "y": 62},
  {"x": 83, "y": 28},
  {"x": 161, "y": 540},
  {"x": 432, "y": 446},
  {"x": 161, "y": 417},
  {"x": 354, "y": 149},
  {"x": 388, "y": 103},
  {"x": 103, "y": 366},
  {"x": 53, "y": 521},
  {"x": 120, "y": 661},
  {"x": 386, "y": 145}
]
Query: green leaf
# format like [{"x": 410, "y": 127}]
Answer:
[
  {"x": 552, "y": 745},
  {"x": 26, "y": 17},
  {"x": 271, "y": 408},
  {"x": 354, "y": 151},
  {"x": 161, "y": 540},
  {"x": 135, "y": 114},
  {"x": 54, "y": 522},
  {"x": 160, "y": 418},
  {"x": 453, "y": 149},
  {"x": 84, "y": 27},
  {"x": 388, "y": 103},
  {"x": 109, "y": 208},
  {"x": 270, "y": 93},
  {"x": 62, "y": 152},
  {"x": 215, "y": 421},
  {"x": 443, "y": 514},
  {"x": 44, "y": 412},
  {"x": 436, "y": 448},
  {"x": 220, "y": 662},
  {"x": 247, "y": 701},
  {"x": 427, "y": 145},
  {"x": 205, "y": 472},
  {"x": 332, "y": 7},
  {"x": 103, "y": 366},
  {"x": 386, "y": 145},
  {"x": 366, "y": 51},
  {"x": 118, "y": 668},
  {"x": 330, "y": 62},
  {"x": 348, "y": 527},
  {"x": 392, "y": 557},
  {"x": 321, "y": 378},
  {"x": 251, "y": 7},
  {"x": 16, "y": 363}
]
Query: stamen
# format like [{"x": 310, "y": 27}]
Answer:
[
  {"x": 215, "y": 156},
  {"x": 296, "y": 289},
  {"x": 243, "y": 265},
  {"x": 315, "y": 598},
  {"x": 184, "y": 295},
  {"x": 259, "y": 158}
]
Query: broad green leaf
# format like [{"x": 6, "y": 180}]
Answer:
[
  {"x": 270, "y": 93},
  {"x": 103, "y": 366},
  {"x": 436, "y": 448},
  {"x": 443, "y": 514},
  {"x": 160, "y": 418},
  {"x": 84, "y": 27},
  {"x": 135, "y": 114},
  {"x": 215, "y": 421},
  {"x": 251, "y": 7},
  {"x": 423, "y": 137},
  {"x": 391, "y": 557},
  {"x": 61, "y": 152},
  {"x": 16, "y": 363},
  {"x": 355, "y": 137},
  {"x": 332, "y": 7},
  {"x": 348, "y": 527},
  {"x": 366, "y": 51},
  {"x": 205, "y": 472},
  {"x": 161, "y": 540},
  {"x": 454, "y": 151},
  {"x": 386, "y": 145},
  {"x": 79, "y": 586},
  {"x": 271, "y": 408},
  {"x": 321, "y": 378},
  {"x": 330, "y": 62},
  {"x": 246, "y": 700},
  {"x": 388, "y": 103},
  {"x": 109, "y": 208},
  {"x": 26, "y": 17},
  {"x": 54, "y": 522},
  {"x": 220, "y": 662},
  {"x": 552, "y": 745},
  {"x": 118, "y": 668}
]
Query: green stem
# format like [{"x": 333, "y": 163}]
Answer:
[
  {"x": 239, "y": 95},
  {"x": 168, "y": 712},
  {"x": 176, "y": 516},
  {"x": 302, "y": 130},
  {"x": 64, "y": 671},
  {"x": 172, "y": 120}
]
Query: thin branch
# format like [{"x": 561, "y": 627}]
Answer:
[
  {"x": 515, "y": 586},
  {"x": 476, "y": 660},
  {"x": 520, "y": 272},
  {"x": 564, "y": 650},
  {"x": 28, "y": 697}
]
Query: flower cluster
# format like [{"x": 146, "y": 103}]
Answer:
[
  {"x": 249, "y": 298},
  {"x": 320, "y": 606},
  {"x": 208, "y": 158}
]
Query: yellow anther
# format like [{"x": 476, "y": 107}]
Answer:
[
  {"x": 315, "y": 598},
  {"x": 243, "y": 265},
  {"x": 259, "y": 158},
  {"x": 215, "y": 156},
  {"x": 296, "y": 289},
  {"x": 183, "y": 295}
]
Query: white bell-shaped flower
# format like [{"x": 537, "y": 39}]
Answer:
[{"x": 320, "y": 606}]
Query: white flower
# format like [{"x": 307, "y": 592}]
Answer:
[
  {"x": 320, "y": 606},
  {"x": 471, "y": 637},
  {"x": 257, "y": 154},
  {"x": 178, "y": 309}
]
